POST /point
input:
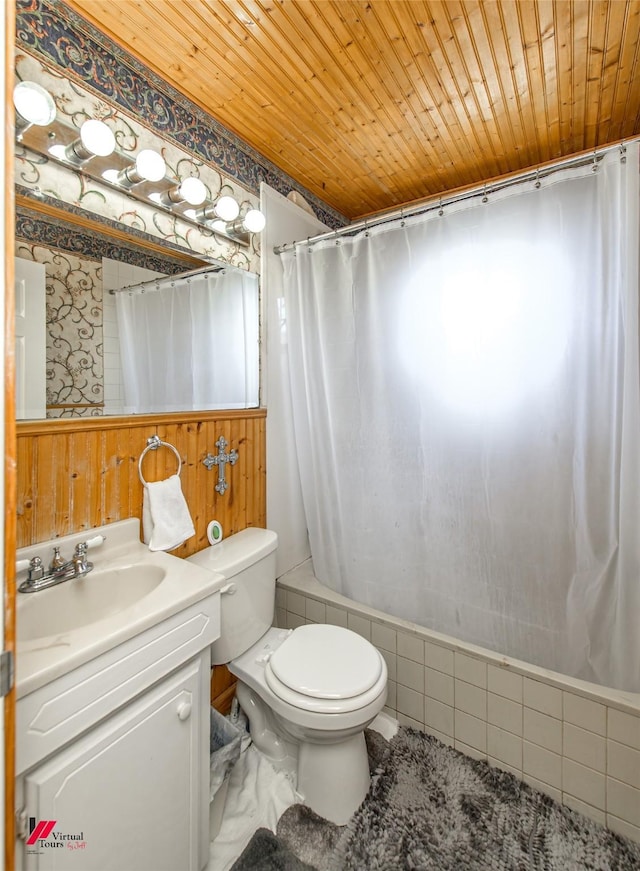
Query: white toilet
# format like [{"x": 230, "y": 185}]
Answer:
[{"x": 309, "y": 693}]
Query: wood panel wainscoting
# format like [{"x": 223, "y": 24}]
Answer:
[{"x": 75, "y": 474}]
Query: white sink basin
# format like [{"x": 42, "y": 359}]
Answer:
[
  {"x": 129, "y": 590},
  {"x": 79, "y": 602}
]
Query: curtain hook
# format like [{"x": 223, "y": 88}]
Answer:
[
  {"x": 538, "y": 183},
  {"x": 623, "y": 152},
  {"x": 402, "y": 221},
  {"x": 594, "y": 168},
  {"x": 366, "y": 229},
  {"x": 440, "y": 209},
  {"x": 485, "y": 198}
]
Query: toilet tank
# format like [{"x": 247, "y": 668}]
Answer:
[{"x": 247, "y": 560}]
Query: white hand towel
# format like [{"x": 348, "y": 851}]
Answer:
[{"x": 166, "y": 521}]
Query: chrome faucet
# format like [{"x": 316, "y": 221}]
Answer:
[{"x": 59, "y": 569}]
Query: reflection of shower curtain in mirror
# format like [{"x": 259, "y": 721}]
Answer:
[
  {"x": 192, "y": 344},
  {"x": 467, "y": 415}
]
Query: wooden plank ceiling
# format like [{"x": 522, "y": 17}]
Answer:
[{"x": 374, "y": 104}]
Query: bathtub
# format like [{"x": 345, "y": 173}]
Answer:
[{"x": 576, "y": 741}]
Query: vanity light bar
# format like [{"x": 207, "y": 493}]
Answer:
[{"x": 94, "y": 154}]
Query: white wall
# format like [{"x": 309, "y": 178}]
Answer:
[{"x": 286, "y": 222}]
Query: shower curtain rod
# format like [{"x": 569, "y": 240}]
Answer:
[
  {"x": 204, "y": 270},
  {"x": 438, "y": 202}
]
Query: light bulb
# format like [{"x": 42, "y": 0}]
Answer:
[
  {"x": 193, "y": 191},
  {"x": 227, "y": 208},
  {"x": 150, "y": 165},
  {"x": 254, "y": 221},
  {"x": 34, "y": 104},
  {"x": 97, "y": 138}
]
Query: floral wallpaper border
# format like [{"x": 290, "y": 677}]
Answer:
[{"x": 51, "y": 30}]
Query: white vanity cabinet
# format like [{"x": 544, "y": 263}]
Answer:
[
  {"x": 129, "y": 790},
  {"x": 116, "y": 752}
]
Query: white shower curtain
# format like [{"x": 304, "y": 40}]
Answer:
[
  {"x": 467, "y": 414},
  {"x": 192, "y": 344}
]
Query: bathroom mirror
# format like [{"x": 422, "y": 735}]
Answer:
[{"x": 76, "y": 339}]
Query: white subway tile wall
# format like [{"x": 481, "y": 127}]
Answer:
[{"x": 580, "y": 751}]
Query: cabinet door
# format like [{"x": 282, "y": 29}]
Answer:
[{"x": 128, "y": 795}]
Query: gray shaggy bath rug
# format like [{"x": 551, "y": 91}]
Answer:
[
  {"x": 430, "y": 808},
  {"x": 266, "y": 852}
]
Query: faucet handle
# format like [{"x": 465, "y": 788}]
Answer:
[
  {"x": 79, "y": 559},
  {"x": 36, "y": 569},
  {"x": 57, "y": 561}
]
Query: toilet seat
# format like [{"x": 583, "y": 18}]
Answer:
[{"x": 326, "y": 669}]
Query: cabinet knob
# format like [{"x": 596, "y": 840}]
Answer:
[{"x": 184, "y": 711}]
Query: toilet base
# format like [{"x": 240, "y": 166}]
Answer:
[
  {"x": 331, "y": 776},
  {"x": 333, "y": 779}
]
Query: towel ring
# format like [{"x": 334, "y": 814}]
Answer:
[{"x": 153, "y": 443}]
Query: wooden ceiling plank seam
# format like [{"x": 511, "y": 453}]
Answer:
[
  {"x": 493, "y": 24},
  {"x": 351, "y": 134},
  {"x": 564, "y": 79},
  {"x": 480, "y": 75},
  {"x": 597, "y": 30},
  {"x": 631, "y": 123},
  {"x": 622, "y": 82},
  {"x": 626, "y": 73},
  {"x": 423, "y": 149},
  {"x": 536, "y": 60},
  {"x": 245, "y": 43},
  {"x": 470, "y": 24},
  {"x": 616, "y": 16},
  {"x": 382, "y": 107},
  {"x": 436, "y": 108},
  {"x": 399, "y": 80},
  {"x": 547, "y": 28},
  {"x": 530, "y": 40},
  {"x": 634, "y": 77},
  {"x": 273, "y": 27},
  {"x": 580, "y": 49},
  {"x": 446, "y": 36},
  {"x": 520, "y": 77},
  {"x": 487, "y": 69},
  {"x": 266, "y": 81},
  {"x": 467, "y": 141},
  {"x": 440, "y": 110}
]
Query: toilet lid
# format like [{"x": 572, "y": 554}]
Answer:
[{"x": 326, "y": 662}]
